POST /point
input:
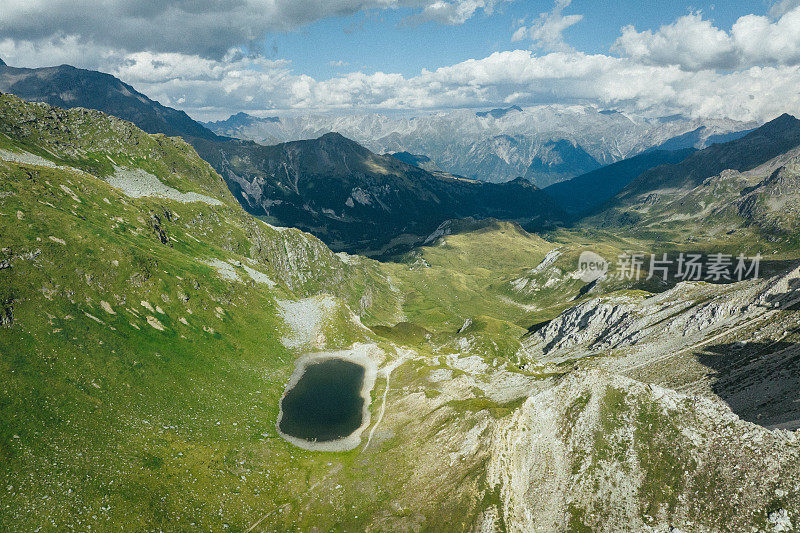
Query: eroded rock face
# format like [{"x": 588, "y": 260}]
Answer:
[
  {"x": 596, "y": 324},
  {"x": 598, "y": 448},
  {"x": 685, "y": 311}
]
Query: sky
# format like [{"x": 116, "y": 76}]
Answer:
[{"x": 213, "y": 58}]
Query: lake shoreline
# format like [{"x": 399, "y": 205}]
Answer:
[{"x": 358, "y": 354}]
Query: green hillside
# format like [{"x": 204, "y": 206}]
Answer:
[
  {"x": 141, "y": 342},
  {"x": 149, "y": 327},
  {"x": 146, "y": 341}
]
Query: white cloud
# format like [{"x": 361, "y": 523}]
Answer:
[
  {"x": 208, "y": 28},
  {"x": 547, "y": 31},
  {"x": 762, "y": 42},
  {"x": 781, "y": 7},
  {"x": 215, "y": 88},
  {"x": 68, "y": 50},
  {"x": 642, "y": 81},
  {"x": 691, "y": 42},
  {"x": 694, "y": 43},
  {"x": 451, "y": 12}
]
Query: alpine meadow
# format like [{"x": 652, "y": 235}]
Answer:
[{"x": 400, "y": 266}]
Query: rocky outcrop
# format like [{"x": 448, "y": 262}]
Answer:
[
  {"x": 599, "y": 450},
  {"x": 611, "y": 322},
  {"x": 734, "y": 344},
  {"x": 596, "y": 325}
]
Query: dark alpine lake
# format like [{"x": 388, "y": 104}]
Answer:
[{"x": 326, "y": 402}]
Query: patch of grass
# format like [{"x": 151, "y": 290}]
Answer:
[
  {"x": 577, "y": 520},
  {"x": 612, "y": 416},
  {"x": 404, "y": 333},
  {"x": 497, "y": 410}
]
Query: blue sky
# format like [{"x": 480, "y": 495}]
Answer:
[{"x": 377, "y": 40}]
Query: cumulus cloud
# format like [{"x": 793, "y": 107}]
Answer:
[
  {"x": 211, "y": 89},
  {"x": 451, "y": 12},
  {"x": 676, "y": 69},
  {"x": 780, "y": 8},
  {"x": 60, "y": 50},
  {"x": 694, "y": 43},
  {"x": 208, "y": 28},
  {"x": 762, "y": 42},
  {"x": 547, "y": 30}
]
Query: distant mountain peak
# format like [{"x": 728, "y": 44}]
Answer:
[
  {"x": 241, "y": 119},
  {"x": 358, "y": 200},
  {"x": 67, "y": 86},
  {"x": 2, "y": 63},
  {"x": 782, "y": 121},
  {"x": 335, "y": 143},
  {"x": 774, "y": 138},
  {"x": 499, "y": 112},
  {"x": 783, "y": 129},
  {"x": 337, "y": 140},
  {"x": 335, "y": 135},
  {"x": 242, "y": 116}
]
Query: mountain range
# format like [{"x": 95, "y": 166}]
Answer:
[
  {"x": 545, "y": 144},
  {"x": 358, "y": 201},
  {"x": 745, "y": 190},
  {"x": 656, "y": 190},
  {"x": 354, "y": 199}
]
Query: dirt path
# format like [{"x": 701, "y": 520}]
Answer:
[{"x": 387, "y": 371}]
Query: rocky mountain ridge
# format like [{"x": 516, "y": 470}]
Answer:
[
  {"x": 737, "y": 188},
  {"x": 354, "y": 199},
  {"x": 546, "y": 143},
  {"x": 66, "y": 86}
]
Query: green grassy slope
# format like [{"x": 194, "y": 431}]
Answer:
[
  {"x": 140, "y": 385},
  {"x": 143, "y": 352},
  {"x": 143, "y": 347}
]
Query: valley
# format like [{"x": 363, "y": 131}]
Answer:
[{"x": 162, "y": 295}]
